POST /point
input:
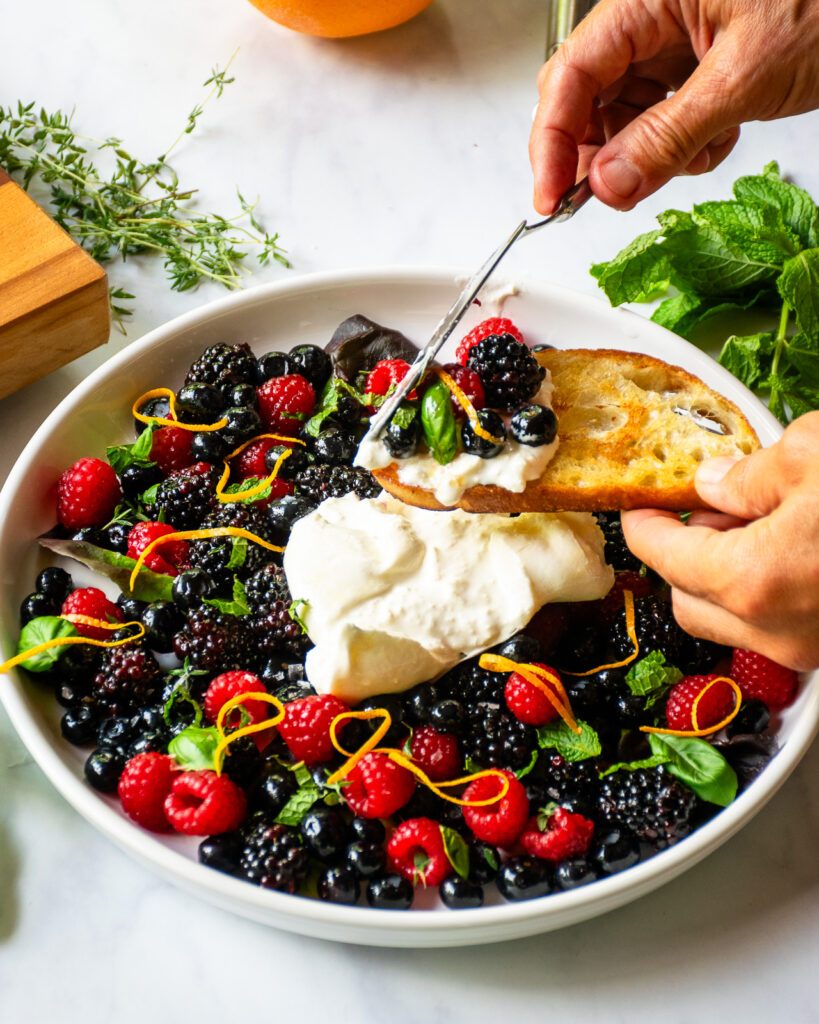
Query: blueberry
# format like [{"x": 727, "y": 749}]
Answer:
[
  {"x": 324, "y": 832},
  {"x": 115, "y": 733},
  {"x": 272, "y": 364},
  {"x": 571, "y": 874},
  {"x": 135, "y": 480},
  {"x": 474, "y": 445},
  {"x": 524, "y": 878},
  {"x": 402, "y": 441},
  {"x": 148, "y": 720},
  {"x": 311, "y": 362},
  {"x": 162, "y": 620},
  {"x": 448, "y": 716},
  {"x": 543, "y": 348},
  {"x": 221, "y": 852},
  {"x": 366, "y": 859},
  {"x": 89, "y": 535},
  {"x": 242, "y": 395},
  {"x": 70, "y": 694},
  {"x": 391, "y": 703},
  {"x": 520, "y": 647},
  {"x": 191, "y": 587},
  {"x": 614, "y": 850},
  {"x": 79, "y": 725},
  {"x": 338, "y": 885},
  {"x": 198, "y": 403},
  {"x": 279, "y": 672},
  {"x": 209, "y": 446},
  {"x": 298, "y": 459},
  {"x": 130, "y": 607},
  {"x": 417, "y": 703},
  {"x": 484, "y": 863},
  {"x": 368, "y": 830},
  {"x": 534, "y": 425},
  {"x": 390, "y": 892},
  {"x": 116, "y": 537},
  {"x": 55, "y": 583},
  {"x": 753, "y": 717},
  {"x": 78, "y": 665},
  {"x": 153, "y": 741},
  {"x": 36, "y": 605},
  {"x": 103, "y": 769},
  {"x": 273, "y": 792},
  {"x": 335, "y": 446},
  {"x": 459, "y": 894},
  {"x": 160, "y": 407},
  {"x": 347, "y": 413},
  {"x": 281, "y": 516},
  {"x": 242, "y": 424}
]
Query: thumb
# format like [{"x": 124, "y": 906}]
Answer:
[
  {"x": 694, "y": 128},
  {"x": 748, "y": 487}
]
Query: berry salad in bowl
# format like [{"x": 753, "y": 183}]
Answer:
[{"x": 275, "y": 668}]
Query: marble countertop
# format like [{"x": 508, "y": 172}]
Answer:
[{"x": 403, "y": 148}]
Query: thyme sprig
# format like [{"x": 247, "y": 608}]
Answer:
[{"x": 138, "y": 207}]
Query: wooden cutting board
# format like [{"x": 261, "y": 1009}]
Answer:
[{"x": 53, "y": 296}]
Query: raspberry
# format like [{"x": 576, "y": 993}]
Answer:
[
  {"x": 494, "y": 325},
  {"x": 92, "y": 602},
  {"x": 557, "y": 837},
  {"x": 171, "y": 448},
  {"x": 614, "y": 601},
  {"x": 377, "y": 787},
  {"x": 306, "y": 727},
  {"x": 251, "y": 462},
  {"x": 717, "y": 703},
  {"x": 285, "y": 402},
  {"x": 416, "y": 851},
  {"x": 616, "y": 551},
  {"x": 168, "y": 558},
  {"x": 436, "y": 753},
  {"x": 143, "y": 787},
  {"x": 386, "y": 375},
  {"x": 526, "y": 702},
  {"x": 470, "y": 383},
  {"x": 501, "y": 822},
  {"x": 759, "y": 678},
  {"x": 87, "y": 494},
  {"x": 204, "y": 804},
  {"x": 230, "y": 684}
]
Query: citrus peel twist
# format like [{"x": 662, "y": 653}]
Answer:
[
  {"x": 70, "y": 641},
  {"x": 631, "y": 630},
  {"x": 162, "y": 421},
  {"x": 543, "y": 679},
  {"x": 259, "y": 488},
  {"x": 470, "y": 410},
  {"x": 225, "y": 739},
  {"x": 696, "y": 730}
]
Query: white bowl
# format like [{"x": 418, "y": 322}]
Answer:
[{"x": 307, "y": 309}]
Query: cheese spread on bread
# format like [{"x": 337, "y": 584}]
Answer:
[{"x": 396, "y": 595}]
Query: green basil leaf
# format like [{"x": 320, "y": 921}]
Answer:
[
  {"x": 746, "y": 357},
  {"x": 438, "y": 423},
  {"x": 237, "y": 605},
  {"x": 571, "y": 747},
  {"x": 638, "y": 273},
  {"x": 298, "y": 805},
  {"x": 651, "y": 676},
  {"x": 149, "y": 585},
  {"x": 121, "y": 456},
  {"x": 457, "y": 851},
  {"x": 699, "y": 765},
  {"x": 632, "y": 766},
  {"x": 193, "y": 749},
  {"x": 799, "y": 287},
  {"x": 39, "y": 631}
]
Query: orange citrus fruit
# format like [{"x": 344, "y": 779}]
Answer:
[{"x": 337, "y": 18}]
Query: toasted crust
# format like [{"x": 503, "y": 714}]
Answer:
[{"x": 621, "y": 444}]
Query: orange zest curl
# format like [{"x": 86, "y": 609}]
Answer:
[
  {"x": 257, "y": 489},
  {"x": 468, "y": 408},
  {"x": 539, "y": 678},
  {"x": 696, "y": 731},
  {"x": 161, "y": 421},
  {"x": 225, "y": 739},
  {"x": 628, "y": 598},
  {"x": 215, "y": 531},
  {"x": 70, "y": 641},
  {"x": 370, "y": 746}
]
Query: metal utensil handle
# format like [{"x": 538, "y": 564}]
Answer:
[{"x": 564, "y": 17}]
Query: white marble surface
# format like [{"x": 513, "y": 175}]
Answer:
[{"x": 409, "y": 147}]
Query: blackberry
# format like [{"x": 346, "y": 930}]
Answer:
[
  {"x": 223, "y": 366},
  {"x": 650, "y": 803},
  {"x": 656, "y": 628},
  {"x": 129, "y": 677},
  {"x": 322, "y": 481},
  {"x": 213, "y": 554},
  {"x": 213, "y": 641},
  {"x": 496, "y": 739},
  {"x": 509, "y": 372},
  {"x": 699, "y": 656},
  {"x": 186, "y": 496},
  {"x": 272, "y": 856},
  {"x": 472, "y": 684},
  {"x": 574, "y": 786},
  {"x": 275, "y": 632},
  {"x": 616, "y": 550},
  {"x": 265, "y": 587},
  {"x": 243, "y": 762}
]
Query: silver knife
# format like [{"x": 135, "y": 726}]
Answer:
[{"x": 569, "y": 204}]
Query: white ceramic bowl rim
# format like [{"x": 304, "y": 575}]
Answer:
[{"x": 310, "y": 915}]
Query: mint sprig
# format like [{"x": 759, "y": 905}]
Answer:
[
  {"x": 759, "y": 249},
  {"x": 571, "y": 746}
]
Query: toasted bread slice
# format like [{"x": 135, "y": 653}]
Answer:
[{"x": 621, "y": 443}]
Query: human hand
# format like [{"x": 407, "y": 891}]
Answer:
[
  {"x": 604, "y": 108},
  {"x": 746, "y": 575}
]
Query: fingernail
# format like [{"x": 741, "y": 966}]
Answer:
[
  {"x": 713, "y": 471},
  {"x": 621, "y": 176}
]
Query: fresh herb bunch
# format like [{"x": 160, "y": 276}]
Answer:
[
  {"x": 760, "y": 249},
  {"x": 137, "y": 207}
]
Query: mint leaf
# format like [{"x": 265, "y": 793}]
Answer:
[
  {"x": 329, "y": 402},
  {"x": 558, "y": 736},
  {"x": 747, "y": 357},
  {"x": 521, "y": 773},
  {"x": 699, "y": 765},
  {"x": 297, "y": 611},
  {"x": 490, "y": 858},
  {"x": 471, "y": 765},
  {"x": 438, "y": 423},
  {"x": 802, "y": 353},
  {"x": 709, "y": 264},
  {"x": 302, "y": 774},
  {"x": 404, "y": 415},
  {"x": 797, "y": 208},
  {"x": 180, "y": 694},
  {"x": 638, "y": 273},
  {"x": 39, "y": 631},
  {"x": 193, "y": 749},
  {"x": 651, "y": 676},
  {"x": 799, "y": 286},
  {"x": 632, "y": 766},
  {"x": 457, "y": 851},
  {"x": 246, "y": 485},
  {"x": 680, "y": 313},
  {"x": 299, "y": 804},
  {"x": 759, "y": 230},
  {"x": 238, "y": 554},
  {"x": 148, "y": 497},
  {"x": 121, "y": 456},
  {"x": 149, "y": 585},
  {"x": 237, "y": 605}
]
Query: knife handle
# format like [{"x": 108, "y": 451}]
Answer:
[{"x": 564, "y": 17}]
